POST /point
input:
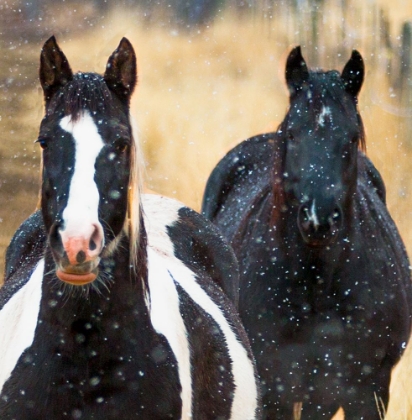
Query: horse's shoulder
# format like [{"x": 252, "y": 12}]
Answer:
[
  {"x": 23, "y": 254},
  {"x": 27, "y": 245},
  {"x": 251, "y": 160},
  {"x": 376, "y": 214},
  {"x": 176, "y": 231},
  {"x": 371, "y": 176}
]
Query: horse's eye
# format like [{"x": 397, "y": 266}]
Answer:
[
  {"x": 290, "y": 136},
  {"x": 121, "y": 145},
  {"x": 43, "y": 142},
  {"x": 355, "y": 140}
]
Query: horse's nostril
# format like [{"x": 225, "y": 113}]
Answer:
[
  {"x": 55, "y": 240},
  {"x": 92, "y": 245},
  {"x": 55, "y": 230},
  {"x": 81, "y": 257},
  {"x": 336, "y": 216},
  {"x": 96, "y": 240},
  {"x": 305, "y": 214}
]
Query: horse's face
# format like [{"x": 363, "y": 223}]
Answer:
[
  {"x": 87, "y": 143},
  {"x": 322, "y": 131}
]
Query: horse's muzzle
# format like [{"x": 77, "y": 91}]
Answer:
[
  {"x": 78, "y": 275},
  {"x": 319, "y": 228},
  {"x": 77, "y": 257}
]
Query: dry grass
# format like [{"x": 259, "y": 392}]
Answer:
[{"x": 198, "y": 95}]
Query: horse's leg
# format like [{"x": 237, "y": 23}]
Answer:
[
  {"x": 313, "y": 411},
  {"x": 366, "y": 405},
  {"x": 308, "y": 412},
  {"x": 369, "y": 401},
  {"x": 277, "y": 398},
  {"x": 278, "y": 412}
]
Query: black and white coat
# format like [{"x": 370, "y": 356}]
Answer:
[
  {"x": 97, "y": 322},
  {"x": 176, "y": 350}
]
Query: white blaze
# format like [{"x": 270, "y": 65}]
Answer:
[{"x": 83, "y": 201}]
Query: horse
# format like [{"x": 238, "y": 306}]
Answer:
[
  {"x": 115, "y": 305},
  {"x": 325, "y": 287}
]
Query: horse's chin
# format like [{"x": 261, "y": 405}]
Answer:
[
  {"x": 76, "y": 279},
  {"x": 318, "y": 242},
  {"x": 318, "y": 238}
]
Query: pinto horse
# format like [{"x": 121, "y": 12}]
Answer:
[
  {"x": 112, "y": 307},
  {"x": 325, "y": 288}
]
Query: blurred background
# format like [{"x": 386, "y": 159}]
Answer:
[{"x": 211, "y": 74}]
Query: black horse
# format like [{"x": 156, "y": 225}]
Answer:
[
  {"x": 325, "y": 291},
  {"x": 111, "y": 307}
]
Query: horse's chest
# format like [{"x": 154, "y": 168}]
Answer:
[
  {"x": 294, "y": 301},
  {"x": 94, "y": 370}
]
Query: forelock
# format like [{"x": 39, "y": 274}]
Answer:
[
  {"x": 86, "y": 91},
  {"x": 326, "y": 87}
]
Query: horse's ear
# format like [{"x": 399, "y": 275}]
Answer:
[
  {"x": 121, "y": 75},
  {"x": 353, "y": 73},
  {"x": 297, "y": 73},
  {"x": 55, "y": 70}
]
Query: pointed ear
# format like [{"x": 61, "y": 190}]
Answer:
[
  {"x": 55, "y": 70},
  {"x": 297, "y": 73},
  {"x": 121, "y": 75},
  {"x": 353, "y": 74}
]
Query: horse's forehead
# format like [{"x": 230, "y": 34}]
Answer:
[
  {"x": 323, "y": 112},
  {"x": 108, "y": 126},
  {"x": 83, "y": 129}
]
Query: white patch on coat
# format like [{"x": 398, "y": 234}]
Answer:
[
  {"x": 83, "y": 201},
  {"x": 167, "y": 320},
  {"x": 325, "y": 112},
  {"x": 159, "y": 213},
  {"x": 18, "y": 321}
]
